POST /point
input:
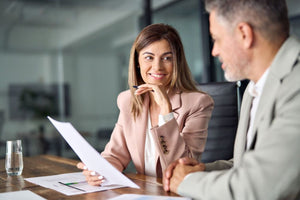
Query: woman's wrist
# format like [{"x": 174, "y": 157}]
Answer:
[
  {"x": 164, "y": 110},
  {"x": 162, "y": 119}
]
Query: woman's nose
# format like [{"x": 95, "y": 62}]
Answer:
[{"x": 157, "y": 64}]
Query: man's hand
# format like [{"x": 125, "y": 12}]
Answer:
[
  {"x": 181, "y": 171},
  {"x": 177, "y": 170}
]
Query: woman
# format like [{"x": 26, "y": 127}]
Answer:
[{"x": 163, "y": 116}]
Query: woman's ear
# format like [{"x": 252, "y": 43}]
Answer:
[{"x": 245, "y": 34}]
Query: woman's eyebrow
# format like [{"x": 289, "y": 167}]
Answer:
[
  {"x": 169, "y": 52},
  {"x": 148, "y": 53}
]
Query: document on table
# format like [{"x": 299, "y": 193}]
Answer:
[
  {"x": 69, "y": 183},
  {"x": 20, "y": 195},
  {"x": 146, "y": 197},
  {"x": 90, "y": 157}
]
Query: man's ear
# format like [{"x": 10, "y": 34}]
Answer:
[{"x": 245, "y": 34}]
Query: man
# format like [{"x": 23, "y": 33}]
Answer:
[{"x": 251, "y": 39}]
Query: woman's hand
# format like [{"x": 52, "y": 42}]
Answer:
[
  {"x": 160, "y": 96},
  {"x": 91, "y": 177}
]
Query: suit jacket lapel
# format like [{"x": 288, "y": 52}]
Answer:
[
  {"x": 141, "y": 125},
  {"x": 280, "y": 67},
  {"x": 240, "y": 140},
  {"x": 264, "y": 106},
  {"x": 175, "y": 99}
]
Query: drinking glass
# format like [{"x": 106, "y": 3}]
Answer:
[{"x": 14, "y": 158}]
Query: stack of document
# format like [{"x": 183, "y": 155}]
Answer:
[{"x": 69, "y": 183}]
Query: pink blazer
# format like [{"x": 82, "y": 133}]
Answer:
[{"x": 185, "y": 135}]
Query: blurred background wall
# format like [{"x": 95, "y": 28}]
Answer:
[{"x": 69, "y": 59}]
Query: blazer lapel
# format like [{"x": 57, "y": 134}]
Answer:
[
  {"x": 175, "y": 99},
  {"x": 141, "y": 125},
  {"x": 265, "y": 106},
  {"x": 241, "y": 135},
  {"x": 286, "y": 56}
]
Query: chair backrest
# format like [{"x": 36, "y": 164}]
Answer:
[{"x": 224, "y": 120}]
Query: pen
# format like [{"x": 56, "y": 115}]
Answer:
[
  {"x": 70, "y": 185},
  {"x": 136, "y": 87}
]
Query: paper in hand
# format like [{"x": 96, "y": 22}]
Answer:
[{"x": 90, "y": 157}]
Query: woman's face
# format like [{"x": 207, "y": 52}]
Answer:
[{"x": 156, "y": 63}]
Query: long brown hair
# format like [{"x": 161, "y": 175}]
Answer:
[{"x": 181, "y": 79}]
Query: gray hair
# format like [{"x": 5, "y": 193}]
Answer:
[{"x": 269, "y": 17}]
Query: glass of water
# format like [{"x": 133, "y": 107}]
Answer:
[{"x": 14, "y": 158}]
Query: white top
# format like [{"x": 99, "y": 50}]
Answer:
[
  {"x": 255, "y": 91},
  {"x": 150, "y": 149}
]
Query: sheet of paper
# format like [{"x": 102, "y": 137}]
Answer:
[
  {"x": 20, "y": 195},
  {"x": 69, "y": 183},
  {"x": 146, "y": 197},
  {"x": 90, "y": 157}
]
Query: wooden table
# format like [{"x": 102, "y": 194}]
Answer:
[{"x": 46, "y": 165}]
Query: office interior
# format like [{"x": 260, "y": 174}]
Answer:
[{"x": 69, "y": 59}]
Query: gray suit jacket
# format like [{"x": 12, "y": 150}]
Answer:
[{"x": 271, "y": 168}]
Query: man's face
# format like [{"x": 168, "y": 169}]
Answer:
[{"x": 228, "y": 48}]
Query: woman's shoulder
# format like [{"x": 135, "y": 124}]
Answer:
[
  {"x": 126, "y": 94},
  {"x": 123, "y": 100},
  {"x": 201, "y": 98}
]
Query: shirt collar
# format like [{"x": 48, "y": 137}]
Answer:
[{"x": 255, "y": 90}]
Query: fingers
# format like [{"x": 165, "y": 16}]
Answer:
[
  {"x": 82, "y": 166},
  {"x": 188, "y": 161},
  {"x": 94, "y": 178},
  {"x": 141, "y": 89},
  {"x": 160, "y": 96},
  {"x": 177, "y": 177},
  {"x": 168, "y": 174},
  {"x": 200, "y": 167},
  {"x": 91, "y": 177},
  {"x": 180, "y": 167}
]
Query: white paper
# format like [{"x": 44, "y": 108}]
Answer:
[
  {"x": 146, "y": 197},
  {"x": 90, "y": 157},
  {"x": 79, "y": 186},
  {"x": 20, "y": 195}
]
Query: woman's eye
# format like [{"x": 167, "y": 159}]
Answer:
[
  {"x": 168, "y": 58},
  {"x": 148, "y": 58}
]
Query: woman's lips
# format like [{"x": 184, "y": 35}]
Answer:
[{"x": 157, "y": 76}]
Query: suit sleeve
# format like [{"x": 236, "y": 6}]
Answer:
[
  {"x": 175, "y": 140},
  {"x": 272, "y": 169},
  {"x": 219, "y": 165}
]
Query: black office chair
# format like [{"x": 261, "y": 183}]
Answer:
[{"x": 224, "y": 120}]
